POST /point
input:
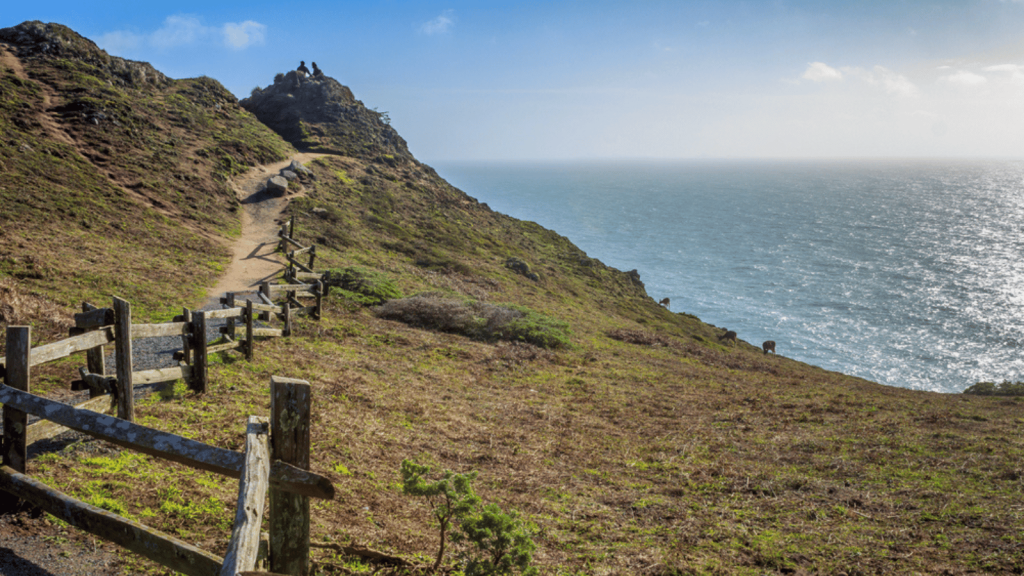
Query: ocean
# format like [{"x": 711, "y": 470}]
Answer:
[{"x": 908, "y": 273}]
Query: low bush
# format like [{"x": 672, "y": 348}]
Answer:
[
  {"x": 496, "y": 543},
  {"x": 640, "y": 337},
  {"x": 1004, "y": 388},
  {"x": 478, "y": 320},
  {"x": 363, "y": 286}
]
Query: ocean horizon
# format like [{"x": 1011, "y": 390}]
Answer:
[{"x": 905, "y": 272}]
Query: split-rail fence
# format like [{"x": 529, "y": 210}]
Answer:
[{"x": 276, "y": 457}]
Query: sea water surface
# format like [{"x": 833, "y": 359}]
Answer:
[{"x": 908, "y": 273}]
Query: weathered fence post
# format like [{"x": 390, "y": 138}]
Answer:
[
  {"x": 15, "y": 445},
  {"x": 94, "y": 361},
  {"x": 123, "y": 359},
  {"x": 291, "y": 229},
  {"x": 231, "y": 321},
  {"x": 249, "y": 338},
  {"x": 319, "y": 298},
  {"x": 199, "y": 375},
  {"x": 14, "y": 442},
  {"x": 287, "y": 319},
  {"x": 186, "y": 339},
  {"x": 312, "y": 256},
  {"x": 265, "y": 290},
  {"x": 289, "y": 442},
  {"x": 244, "y": 546}
]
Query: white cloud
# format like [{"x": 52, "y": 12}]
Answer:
[
  {"x": 178, "y": 30},
  {"x": 185, "y": 30},
  {"x": 891, "y": 82},
  {"x": 965, "y": 78},
  {"x": 239, "y": 36},
  {"x": 1012, "y": 68},
  {"x": 441, "y": 25},
  {"x": 881, "y": 77},
  {"x": 894, "y": 83},
  {"x": 821, "y": 72},
  {"x": 1013, "y": 72}
]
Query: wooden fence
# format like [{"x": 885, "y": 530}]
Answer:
[
  {"x": 301, "y": 280},
  {"x": 276, "y": 456}
]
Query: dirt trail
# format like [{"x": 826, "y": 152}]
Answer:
[
  {"x": 53, "y": 129},
  {"x": 254, "y": 260}
]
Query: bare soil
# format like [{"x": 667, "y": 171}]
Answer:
[{"x": 254, "y": 260}]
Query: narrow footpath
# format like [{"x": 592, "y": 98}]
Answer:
[{"x": 254, "y": 259}]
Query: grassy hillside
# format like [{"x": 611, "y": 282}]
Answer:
[
  {"x": 640, "y": 444},
  {"x": 114, "y": 176}
]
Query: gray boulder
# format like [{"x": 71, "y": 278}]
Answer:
[
  {"x": 289, "y": 175},
  {"x": 277, "y": 185},
  {"x": 298, "y": 168},
  {"x": 522, "y": 268}
]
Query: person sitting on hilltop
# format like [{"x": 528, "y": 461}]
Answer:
[
  {"x": 317, "y": 72},
  {"x": 302, "y": 68}
]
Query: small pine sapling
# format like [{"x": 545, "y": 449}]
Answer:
[
  {"x": 505, "y": 543},
  {"x": 451, "y": 497}
]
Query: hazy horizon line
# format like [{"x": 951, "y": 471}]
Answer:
[{"x": 647, "y": 159}]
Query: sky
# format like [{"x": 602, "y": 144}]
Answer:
[{"x": 576, "y": 80}]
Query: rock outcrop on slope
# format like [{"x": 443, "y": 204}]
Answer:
[
  {"x": 35, "y": 39},
  {"x": 319, "y": 114}
]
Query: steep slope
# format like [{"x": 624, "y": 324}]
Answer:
[
  {"x": 115, "y": 176},
  {"x": 644, "y": 446}
]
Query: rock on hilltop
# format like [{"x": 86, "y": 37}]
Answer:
[
  {"x": 33, "y": 40},
  {"x": 321, "y": 115}
]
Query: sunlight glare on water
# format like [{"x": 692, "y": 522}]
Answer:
[{"x": 906, "y": 273}]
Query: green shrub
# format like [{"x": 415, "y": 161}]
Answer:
[
  {"x": 501, "y": 543},
  {"x": 450, "y": 497},
  {"x": 1004, "y": 388},
  {"x": 366, "y": 287},
  {"x": 536, "y": 328},
  {"x": 504, "y": 541},
  {"x": 478, "y": 320}
]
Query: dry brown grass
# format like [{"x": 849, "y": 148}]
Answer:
[
  {"x": 20, "y": 307},
  {"x": 629, "y": 459}
]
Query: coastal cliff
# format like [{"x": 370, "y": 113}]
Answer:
[{"x": 637, "y": 441}]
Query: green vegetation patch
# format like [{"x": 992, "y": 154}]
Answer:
[
  {"x": 478, "y": 320},
  {"x": 363, "y": 286},
  {"x": 1004, "y": 388}
]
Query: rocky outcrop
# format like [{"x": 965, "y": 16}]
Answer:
[
  {"x": 319, "y": 114},
  {"x": 521, "y": 268},
  {"x": 38, "y": 40}
]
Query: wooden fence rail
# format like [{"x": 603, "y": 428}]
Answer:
[
  {"x": 283, "y": 473},
  {"x": 276, "y": 457},
  {"x": 153, "y": 544}
]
